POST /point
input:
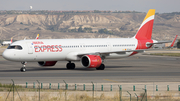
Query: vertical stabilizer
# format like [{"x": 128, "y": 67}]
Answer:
[
  {"x": 145, "y": 30},
  {"x": 11, "y": 40},
  {"x": 37, "y": 37},
  {"x": 172, "y": 44}
]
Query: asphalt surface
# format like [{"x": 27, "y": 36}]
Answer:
[{"x": 138, "y": 68}]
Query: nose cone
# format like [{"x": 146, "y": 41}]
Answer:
[{"x": 6, "y": 55}]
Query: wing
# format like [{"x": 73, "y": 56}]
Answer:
[{"x": 108, "y": 52}]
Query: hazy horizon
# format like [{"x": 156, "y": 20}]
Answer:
[{"x": 161, "y": 6}]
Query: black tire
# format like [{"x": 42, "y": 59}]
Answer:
[
  {"x": 98, "y": 68},
  {"x": 72, "y": 66},
  {"x": 101, "y": 67},
  {"x": 68, "y": 65},
  {"x": 23, "y": 69}
]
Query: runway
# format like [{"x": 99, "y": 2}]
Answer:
[{"x": 138, "y": 68}]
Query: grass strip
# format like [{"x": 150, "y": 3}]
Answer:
[
  {"x": 9, "y": 86},
  {"x": 166, "y": 54}
]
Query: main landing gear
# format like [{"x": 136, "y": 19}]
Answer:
[
  {"x": 70, "y": 65},
  {"x": 23, "y": 69},
  {"x": 101, "y": 67}
]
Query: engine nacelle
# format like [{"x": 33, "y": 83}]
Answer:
[
  {"x": 47, "y": 63},
  {"x": 91, "y": 61}
]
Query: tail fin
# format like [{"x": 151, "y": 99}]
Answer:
[
  {"x": 37, "y": 37},
  {"x": 172, "y": 44},
  {"x": 145, "y": 30},
  {"x": 11, "y": 40}
]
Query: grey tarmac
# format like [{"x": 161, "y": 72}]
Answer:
[{"x": 138, "y": 68}]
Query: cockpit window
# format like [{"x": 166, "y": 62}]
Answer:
[{"x": 15, "y": 47}]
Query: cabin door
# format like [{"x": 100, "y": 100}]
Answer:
[{"x": 30, "y": 48}]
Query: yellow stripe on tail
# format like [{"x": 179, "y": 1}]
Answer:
[{"x": 150, "y": 13}]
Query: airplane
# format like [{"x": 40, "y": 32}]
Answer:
[
  {"x": 90, "y": 52},
  {"x": 7, "y": 42}
]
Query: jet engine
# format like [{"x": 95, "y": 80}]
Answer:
[
  {"x": 47, "y": 63},
  {"x": 91, "y": 61}
]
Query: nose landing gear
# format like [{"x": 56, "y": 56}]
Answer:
[{"x": 23, "y": 69}]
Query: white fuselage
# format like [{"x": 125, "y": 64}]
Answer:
[{"x": 68, "y": 49}]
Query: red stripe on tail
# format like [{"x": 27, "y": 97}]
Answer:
[{"x": 145, "y": 32}]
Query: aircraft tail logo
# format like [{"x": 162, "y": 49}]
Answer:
[
  {"x": 11, "y": 40},
  {"x": 145, "y": 30},
  {"x": 37, "y": 37}
]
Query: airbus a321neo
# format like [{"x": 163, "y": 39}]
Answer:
[{"x": 90, "y": 52}]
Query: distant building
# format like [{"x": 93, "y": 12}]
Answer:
[{"x": 158, "y": 46}]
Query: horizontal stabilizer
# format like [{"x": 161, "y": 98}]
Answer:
[{"x": 159, "y": 42}]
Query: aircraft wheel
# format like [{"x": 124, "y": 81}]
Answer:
[
  {"x": 68, "y": 65},
  {"x": 23, "y": 69},
  {"x": 73, "y": 66},
  {"x": 101, "y": 67}
]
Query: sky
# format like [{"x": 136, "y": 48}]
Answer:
[{"x": 161, "y": 6}]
